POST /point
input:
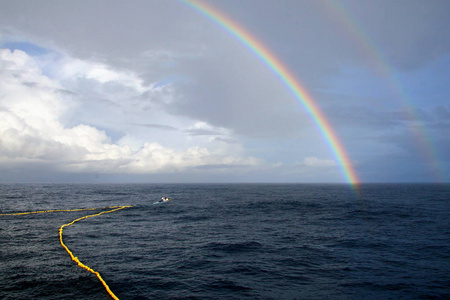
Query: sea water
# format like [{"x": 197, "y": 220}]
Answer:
[{"x": 228, "y": 241}]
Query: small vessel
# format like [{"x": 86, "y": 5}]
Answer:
[{"x": 163, "y": 199}]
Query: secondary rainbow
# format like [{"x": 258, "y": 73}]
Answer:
[
  {"x": 286, "y": 77},
  {"x": 345, "y": 19}
]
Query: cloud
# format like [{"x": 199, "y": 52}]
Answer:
[
  {"x": 31, "y": 129},
  {"x": 414, "y": 36},
  {"x": 149, "y": 86},
  {"x": 316, "y": 162},
  {"x": 156, "y": 126},
  {"x": 203, "y": 128}
]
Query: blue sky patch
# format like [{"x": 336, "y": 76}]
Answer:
[{"x": 29, "y": 48}]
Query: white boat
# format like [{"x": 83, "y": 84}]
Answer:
[{"x": 163, "y": 199}]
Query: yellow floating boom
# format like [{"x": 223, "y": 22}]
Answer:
[{"x": 73, "y": 257}]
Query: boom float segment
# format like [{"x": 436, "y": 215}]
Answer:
[
  {"x": 74, "y": 258},
  {"x": 55, "y": 210}
]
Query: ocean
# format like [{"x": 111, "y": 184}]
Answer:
[{"x": 227, "y": 241}]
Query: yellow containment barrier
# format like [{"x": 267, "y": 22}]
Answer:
[
  {"x": 73, "y": 257},
  {"x": 50, "y": 211}
]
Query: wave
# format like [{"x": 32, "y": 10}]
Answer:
[{"x": 233, "y": 247}]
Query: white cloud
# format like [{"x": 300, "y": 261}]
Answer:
[
  {"x": 203, "y": 128},
  {"x": 313, "y": 161},
  {"x": 31, "y": 128},
  {"x": 69, "y": 68}
]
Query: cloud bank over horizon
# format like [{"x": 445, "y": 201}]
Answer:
[
  {"x": 151, "y": 91},
  {"x": 35, "y": 108}
]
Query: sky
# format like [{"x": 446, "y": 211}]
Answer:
[{"x": 159, "y": 92}]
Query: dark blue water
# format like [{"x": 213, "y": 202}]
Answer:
[{"x": 228, "y": 242}]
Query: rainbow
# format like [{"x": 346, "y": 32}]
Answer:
[
  {"x": 341, "y": 13},
  {"x": 281, "y": 71}
]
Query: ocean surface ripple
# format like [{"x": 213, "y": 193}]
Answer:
[{"x": 228, "y": 241}]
